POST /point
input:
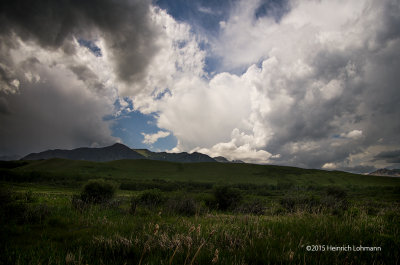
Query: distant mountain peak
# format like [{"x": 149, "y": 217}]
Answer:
[
  {"x": 221, "y": 159},
  {"x": 116, "y": 151},
  {"x": 119, "y": 146}
]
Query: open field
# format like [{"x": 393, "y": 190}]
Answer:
[{"x": 205, "y": 213}]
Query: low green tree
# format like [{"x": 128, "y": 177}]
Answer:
[
  {"x": 227, "y": 197},
  {"x": 97, "y": 191}
]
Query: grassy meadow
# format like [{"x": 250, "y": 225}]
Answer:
[{"x": 200, "y": 213}]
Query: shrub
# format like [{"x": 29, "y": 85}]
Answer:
[
  {"x": 256, "y": 207},
  {"x": 152, "y": 198},
  {"x": 97, "y": 191},
  {"x": 300, "y": 202},
  {"x": 226, "y": 197},
  {"x": 210, "y": 202},
  {"x": 182, "y": 205},
  {"x": 335, "y": 200},
  {"x": 335, "y": 205}
]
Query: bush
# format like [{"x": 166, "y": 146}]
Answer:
[
  {"x": 256, "y": 207},
  {"x": 152, "y": 198},
  {"x": 291, "y": 203},
  {"x": 182, "y": 205},
  {"x": 335, "y": 205},
  {"x": 226, "y": 197},
  {"x": 97, "y": 191}
]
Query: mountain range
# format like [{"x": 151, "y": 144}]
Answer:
[
  {"x": 119, "y": 151},
  {"x": 386, "y": 172}
]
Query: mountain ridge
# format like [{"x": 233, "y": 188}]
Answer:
[{"x": 118, "y": 151}]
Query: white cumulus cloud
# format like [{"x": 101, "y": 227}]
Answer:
[{"x": 152, "y": 138}]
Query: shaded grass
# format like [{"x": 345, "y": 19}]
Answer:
[
  {"x": 105, "y": 234},
  {"x": 176, "y": 218}
]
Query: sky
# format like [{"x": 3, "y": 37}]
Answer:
[{"x": 305, "y": 83}]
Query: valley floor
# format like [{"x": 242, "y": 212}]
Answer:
[{"x": 44, "y": 225}]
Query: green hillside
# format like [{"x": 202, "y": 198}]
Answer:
[
  {"x": 144, "y": 152},
  {"x": 143, "y": 170}
]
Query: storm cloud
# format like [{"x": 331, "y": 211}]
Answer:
[
  {"x": 302, "y": 83},
  {"x": 389, "y": 156},
  {"x": 124, "y": 25},
  {"x": 54, "y": 91}
]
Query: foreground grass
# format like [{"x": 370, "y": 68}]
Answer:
[
  {"x": 52, "y": 231},
  {"x": 282, "y": 212}
]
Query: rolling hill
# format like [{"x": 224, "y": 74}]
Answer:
[{"x": 210, "y": 172}]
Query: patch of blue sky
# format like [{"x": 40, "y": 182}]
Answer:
[
  {"x": 91, "y": 46},
  {"x": 272, "y": 8},
  {"x": 129, "y": 127},
  {"x": 157, "y": 94},
  {"x": 337, "y": 136},
  {"x": 212, "y": 65},
  {"x": 202, "y": 15}
]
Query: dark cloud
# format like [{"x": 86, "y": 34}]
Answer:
[
  {"x": 4, "y": 107},
  {"x": 125, "y": 26},
  {"x": 389, "y": 156},
  {"x": 368, "y": 103},
  {"x": 86, "y": 75},
  {"x": 56, "y": 99},
  {"x": 58, "y": 113}
]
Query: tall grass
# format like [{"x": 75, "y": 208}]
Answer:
[{"x": 111, "y": 234}]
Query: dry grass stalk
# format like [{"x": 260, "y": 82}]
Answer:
[
  {"x": 200, "y": 247},
  {"x": 173, "y": 254}
]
